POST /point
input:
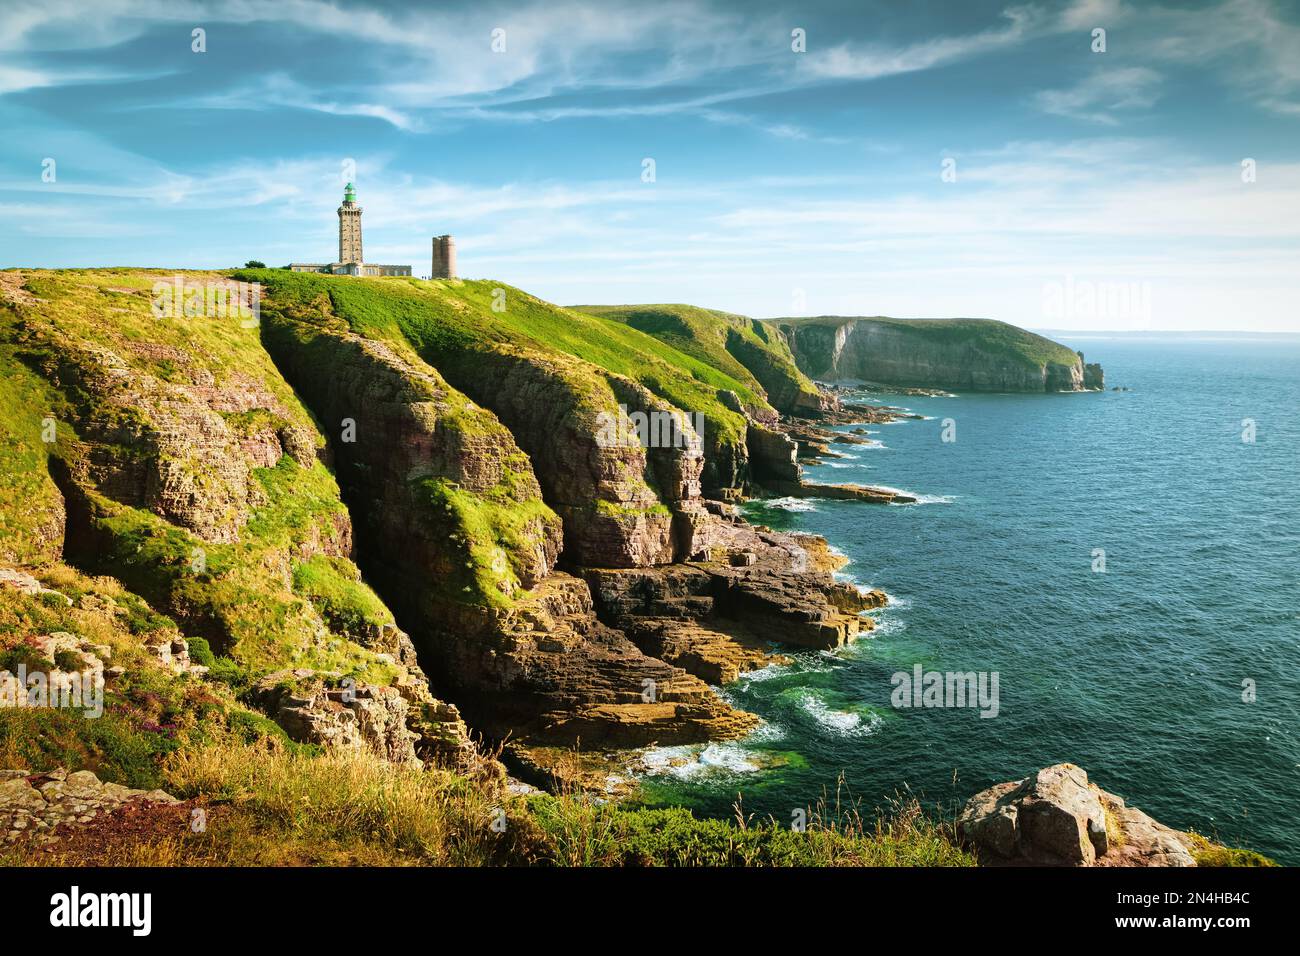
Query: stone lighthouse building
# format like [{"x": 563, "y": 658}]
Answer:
[
  {"x": 351, "y": 261},
  {"x": 350, "y": 227}
]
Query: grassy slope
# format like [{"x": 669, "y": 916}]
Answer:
[
  {"x": 239, "y": 593},
  {"x": 279, "y": 808},
  {"x": 993, "y": 336},
  {"x": 149, "y": 712},
  {"x": 745, "y": 349},
  {"x": 449, "y": 321},
  {"x": 491, "y": 525}
]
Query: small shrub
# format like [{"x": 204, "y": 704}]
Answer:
[
  {"x": 67, "y": 660},
  {"x": 201, "y": 651}
]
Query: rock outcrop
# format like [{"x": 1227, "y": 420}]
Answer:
[
  {"x": 522, "y": 652},
  {"x": 192, "y": 444},
  {"x": 33, "y": 805},
  {"x": 548, "y": 670},
  {"x": 720, "y": 617},
  {"x": 963, "y": 354},
  {"x": 1057, "y": 817},
  {"x": 401, "y": 724}
]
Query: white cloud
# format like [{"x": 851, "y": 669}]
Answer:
[
  {"x": 1106, "y": 91},
  {"x": 871, "y": 61}
]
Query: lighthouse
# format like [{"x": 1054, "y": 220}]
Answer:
[{"x": 350, "y": 227}]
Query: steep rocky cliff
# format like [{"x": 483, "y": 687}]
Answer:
[
  {"x": 962, "y": 354},
  {"x": 185, "y": 466},
  {"x": 750, "y": 351},
  {"x": 522, "y": 486}
]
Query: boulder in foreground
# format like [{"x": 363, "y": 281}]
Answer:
[{"x": 1057, "y": 817}]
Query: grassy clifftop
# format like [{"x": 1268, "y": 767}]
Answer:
[
  {"x": 744, "y": 348},
  {"x": 991, "y": 335},
  {"x": 467, "y": 329},
  {"x": 452, "y": 318}
]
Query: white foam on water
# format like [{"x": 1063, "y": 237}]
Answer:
[
  {"x": 692, "y": 761},
  {"x": 766, "y": 732},
  {"x": 842, "y": 723},
  {"x": 885, "y": 626},
  {"x": 921, "y": 499},
  {"x": 935, "y": 499},
  {"x": 761, "y": 674},
  {"x": 790, "y": 504}
]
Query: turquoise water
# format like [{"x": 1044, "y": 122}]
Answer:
[{"x": 1136, "y": 673}]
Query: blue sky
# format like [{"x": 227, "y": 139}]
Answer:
[{"x": 1092, "y": 190}]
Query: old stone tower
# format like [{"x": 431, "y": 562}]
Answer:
[
  {"x": 350, "y": 227},
  {"x": 444, "y": 257}
]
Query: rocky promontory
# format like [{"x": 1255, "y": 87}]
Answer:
[
  {"x": 399, "y": 517},
  {"x": 979, "y": 355}
]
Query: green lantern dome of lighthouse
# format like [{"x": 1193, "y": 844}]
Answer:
[{"x": 349, "y": 193}]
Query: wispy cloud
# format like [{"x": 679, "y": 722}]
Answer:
[
  {"x": 1098, "y": 97},
  {"x": 873, "y": 61}
]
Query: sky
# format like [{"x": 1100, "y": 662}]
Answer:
[{"x": 991, "y": 159}]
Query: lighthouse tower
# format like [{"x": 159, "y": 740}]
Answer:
[{"x": 350, "y": 227}]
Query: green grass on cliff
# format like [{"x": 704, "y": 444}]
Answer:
[
  {"x": 29, "y": 501},
  {"x": 449, "y": 321},
  {"x": 489, "y": 529},
  {"x": 114, "y": 309},
  {"x": 990, "y": 335},
  {"x": 334, "y": 587},
  {"x": 267, "y": 806},
  {"x": 745, "y": 349},
  {"x": 236, "y": 593},
  {"x": 149, "y": 712}
]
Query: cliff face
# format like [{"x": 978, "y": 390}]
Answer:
[
  {"x": 187, "y": 468},
  {"x": 522, "y": 486},
  {"x": 965, "y": 355},
  {"x": 751, "y": 352},
  {"x": 455, "y": 534}
]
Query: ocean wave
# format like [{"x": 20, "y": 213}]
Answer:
[
  {"x": 842, "y": 723},
  {"x": 789, "y": 504},
  {"x": 692, "y": 761},
  {"x": 921, "y": 499}
]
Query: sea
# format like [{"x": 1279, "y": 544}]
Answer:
[{"x": 1126, "y": 563}]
